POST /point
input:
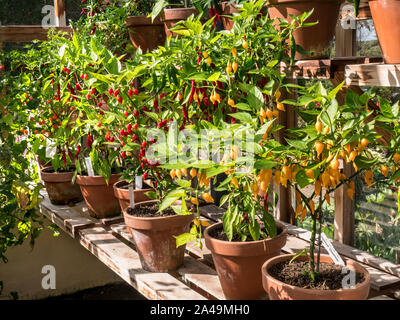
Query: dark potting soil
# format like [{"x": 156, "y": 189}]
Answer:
[
  {"x": 150, "y": 210},
  {"x": 220, "y": 234},
  {"x": 126, "y": 186},
  {"x": 61, "y": 170},
  {"x": 329, "y": 277}
]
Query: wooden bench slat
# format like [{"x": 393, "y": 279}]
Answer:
[
  {"x": 194, "y": 271},
  {"x": 125, "y": 262},
  {"x": 65, "y": 217}
]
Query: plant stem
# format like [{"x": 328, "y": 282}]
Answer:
[
  {"x": 312, "y": 244},
  {"x": 320, "y": 216}
]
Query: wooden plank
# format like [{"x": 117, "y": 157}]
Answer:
[
  {"x": 374, "y": 74},
  {"x": 125, "y": 262},
  {"x": 196, "y": 270},
  {"x": 26, "y": 33},
  {"x": 382, "y": 297},
  {"x": 65, "y": 217}
]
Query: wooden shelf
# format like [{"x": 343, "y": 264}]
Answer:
[
  {"x": 26, "y": 33},
  {"x": 374, "y": 74},
  {"x": 323, "y": 68}
]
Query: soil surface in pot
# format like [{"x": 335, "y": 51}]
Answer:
[
  {"x": 220, "y": 234},
  {"x": 126, "y": 186},
  {"x": 150, "y": 210},
  {"x": 51, "y": 170},
  {"x": 329, "y": 278}
]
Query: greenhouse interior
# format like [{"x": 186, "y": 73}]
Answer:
[{"x": 199, "y": 150}]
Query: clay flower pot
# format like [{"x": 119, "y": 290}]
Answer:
[
  {"x": 122, "y": 194},
  {"x": 146, "y": 34},
  {"x": 278, "y": 290},
  {"x": 99, "y": 196},
  {"x": 154, "y": 239},
  {"x": 386, "y": 14},
  {"x": 238, "y": 264},
  {"x": 228, "y": 10},
  {"x": 172, "y": 16},
  {"x": 59, "y": 186},
  {"x": 316, "y": 39}
]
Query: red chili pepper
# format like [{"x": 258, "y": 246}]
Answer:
[
  {"x": 155, "y": 105},
  {"x": 64, "y": 159},
  {"x": 77, "y": 151},
  {"x": 90, "y": 141},
  {"x": 58, "y": 92},
  {"x": 185, "y": 113},
  {"x": 192, "y": 91},
  {"x": 265, "y": 203}
]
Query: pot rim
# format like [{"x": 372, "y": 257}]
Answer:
[
  {"x": 54, "y": 177},
  {"x": 142, "y": 20},
  {"x": 96, "y": 180},
  {"x": 115, "y": 186},
  {"x": 285, "y": 257},
  {"x": 239, "y": 243}
]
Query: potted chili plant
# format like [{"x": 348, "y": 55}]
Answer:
[{"x": 333, "y": 136}]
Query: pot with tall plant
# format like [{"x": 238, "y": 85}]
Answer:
[
  {"x": 171, "y": 12},
  {"x": 314, "y": 157}
]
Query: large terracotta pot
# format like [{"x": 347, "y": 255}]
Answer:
[
  {"x": 316, "y": 39},
  {"x": 386, "y": 15},
  {"x": 172, "y": 16},
  {"x": 122, "y": 194},
  {"x": 99, "y": 196},
  {"x": 228, "y": 10},
  {"x": 278, "y": 290},
  {"x": 59, "y": 186},
  {"x": 154, "y": 239},
  {"x": 238, "y": 264},
  {"x": 146, "y": 34}
]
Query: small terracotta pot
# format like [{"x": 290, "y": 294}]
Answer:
[
  {"x": 386, "y": 15},
  {"x": 173, "y": 16},
  {"x": 99, "y": 196},
  {"x": 59, "y": 187},
  {"x": 123, "y": 194},
  {"x": 278, "y": 290},
  {"x": 238, "y": 264},
  {"x": 146, "y": 34},
  {"x": 154, "y": 239},
  {"x": 316, "y": 39},
  {"x": 228, "y": 10}
]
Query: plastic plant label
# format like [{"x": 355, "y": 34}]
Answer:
[
  {"x": 131, "y": 197},
  {"x": 89, "y": 166},
  {"x": 50, "y": 149},
  {"x": 331, "y": 250},
  {"x": 139, "y": 182}
]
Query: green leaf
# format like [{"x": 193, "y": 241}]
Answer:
[
  {"x": 302, "y": 179},
  {"x": 298, "y": 254},
  {"x": 214, "y": 77},
  {"x": 167, "y": 202},
  {"x": 151, "y": 194},
  {"x": 270, "y": 225},
  {"x": 255, "y": 98},
  {"x": 242, "y": 116},
  {"x": 265, "y": 164}
]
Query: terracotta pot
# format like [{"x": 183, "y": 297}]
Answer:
[
  {"x": 278, "y": 290},
  {"x": 238, "y": 264},
  {"x": 154, "y": 239},
  {"x": 146, "y": 34},
  {"x": 173, "y": 16},
  {"x": 228, "y": 10},
  {"x": 123, "y": 194},
  {"x": 99, "y": 196},
  {"x": 59, "y": 186},
  {"x": 386, "y": 14},
  {"x": 42, "y": 163},
  {"x": 316, "y": 39}
]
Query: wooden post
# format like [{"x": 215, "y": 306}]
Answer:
[
  {"x": 344, "y": 206},
  {"x": 59, "y": 7},
  {"x": 284, "y": 210},
  {"x": 344, "y": 212}
]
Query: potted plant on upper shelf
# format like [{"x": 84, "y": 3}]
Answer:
[
  {"x": 385, "y": 15},
  {"x": 333, "y": 136},
  {"x": 233, "y": 76},
  {"x": 144, "y": 32},
  {"x": 171, "y": 16}
]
